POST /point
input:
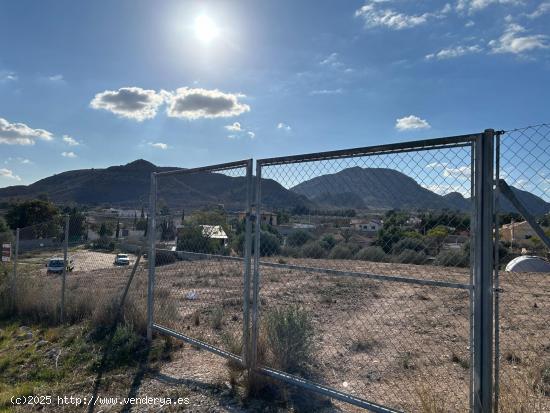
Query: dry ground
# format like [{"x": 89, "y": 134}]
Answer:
[{"x": 397, "y": 344}]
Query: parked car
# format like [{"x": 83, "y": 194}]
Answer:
[
  {"x": 55, "y": 265},
  {"x": 122, "y": 259}
]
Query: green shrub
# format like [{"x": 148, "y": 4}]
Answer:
[
  {"x": 104, "y": 243},
  {"x": 411, "y": 257},
  {"x": 328, "y": 242},
  {"x": 341, "y": 252},
  {"x": 452, "y": 258},
  {"x": 293, "y": 252},
  {"x": 290, "y": 338},
  {"x": 374, "y": 254},
  {"x": 164, "y": 257},
  {"x": 298, "y": 238},
  {"x": 269, "y": 244},
  {"x": 313, "y": 249},
  {"x": 192, "y": 239},
  {"x": 414, "y": 244}
]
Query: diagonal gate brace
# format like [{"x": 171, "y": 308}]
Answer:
[{"x": 507, "y": 192}]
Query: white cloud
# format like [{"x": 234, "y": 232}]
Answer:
[
  {"x": 435, "y": 165},
  {"x": 460, "y": 172},
  {"x": 195, "y": 103},
  {"x": 512, "y": 42},
  {"x": 238, "y": 131},
  {"x": 21, "y": 134},
  {"x": 70, "y": 140},
  {"x": 129, "y": 102},
  {"x": 411, "y": 122},
  {"x": 444, "y": 189},
  {"x": 158, "y": 145},
  {"x": 18, "y": 159},
  {"x": 542, "y": 9},
  {"x": 6, "y": 76},
  {"x": 374, "y": 16},
  {"x": 235, "y": 127},
  {"x": 453, "y": 52},
  {"x": 284, "y": 126},
  {"x": 8, "y": 173},
  {"x": 56, "y": 78},
  {"x": 332, "y": 60},
  {"x": 68, "y": 154},
  {"x": 472, "y": 6},
  {"x": 327, "y": 92}
]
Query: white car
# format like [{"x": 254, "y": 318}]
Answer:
[
  {"x": 122, "y": 259},
  {"x": 55, "y": 265}
]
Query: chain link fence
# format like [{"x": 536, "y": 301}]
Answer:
[
  {"x": 378, "y": 299},
  {"x": 523, "y": 291},
  {"x": 372, "y": 279},
  {"x": 73, "y": 268},
  {"x": 201, "y": 260}
]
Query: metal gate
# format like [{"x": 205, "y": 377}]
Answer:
[
  {"x": 385, "y": 310},
  {"x": 522, "y": 299},
  {"x": 199, "y": 293},
  {"x": 389, "y": 335}
]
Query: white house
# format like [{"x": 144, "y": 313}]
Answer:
[{"x": 372, "y": 225}]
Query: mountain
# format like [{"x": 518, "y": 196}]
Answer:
[
  {"x": 381, "y": 188},
  {"x": 376, "y": 188},
  {"x": 359, "y": 188},
  {"x": 128, "y": 186}
]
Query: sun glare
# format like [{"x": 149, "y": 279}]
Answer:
[{"x": 205, "y": 29}]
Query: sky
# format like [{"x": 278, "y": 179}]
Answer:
[{"x": 192, "y": 83}]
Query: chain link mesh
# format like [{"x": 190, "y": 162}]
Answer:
[
  {"x": 200, "y": 250},
  {"x": 405, "y": 214},
  {"x": 523, "y": 302}
]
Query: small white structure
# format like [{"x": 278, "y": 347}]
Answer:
[
  {"x": 214, "y": 232},
  {"x": 373, "y": 225},
  {"x": 528, "y": 263}
]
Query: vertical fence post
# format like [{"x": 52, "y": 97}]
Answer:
[
  {"x": 247, "y": 259},
  {"x": 482, "y": 371},
  {"x": 256, "y": 275},
  {"x": 65, "y": 263},
  {"x": 14, "y": 277},
  {"x": 496, "y": 277},
  {"x": 151, "y": 255}
]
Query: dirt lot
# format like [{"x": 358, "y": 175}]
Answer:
[
  {"x": 392, "y": 343},
  {"x": 396, "y": 344}
]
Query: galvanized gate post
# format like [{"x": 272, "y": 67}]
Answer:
[
  {"x": 151, "y": 234},
  {"x": 256, "y": 281},
  {"x": 65, "y": 256},
  {"x": 247, "y": 262},
  {"x": 482, "y": 369}
]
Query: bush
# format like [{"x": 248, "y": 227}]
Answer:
[
  {"x": 103, "y": 243},
  {"x": 298, "y": 238},
  {"x": 328, "y": 242},
  {"x": 374, "y": 254},
  {"x": 269, "y": 244},
  {"x": 414, "y": 244},
  {"x": 313, "y": 249},
  {"x": 290, "y": 338},
  {"x": 192, "y": 239},
  {"x": 164, "y": 257},
  {"x": 293, "y": 252},
  {"x": 341, "y": 252},
  {"x": 411, "y": 257},
  {"x": 451, "y": 258}
]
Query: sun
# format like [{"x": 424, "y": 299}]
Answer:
[{"x": 205, "y": 29}]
